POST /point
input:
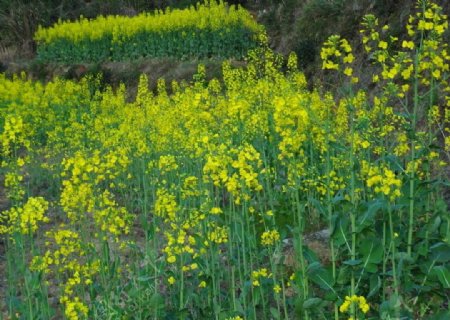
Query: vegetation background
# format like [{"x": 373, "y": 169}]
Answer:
[{"x": 292, "y": 25}]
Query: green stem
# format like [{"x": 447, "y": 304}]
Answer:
[
  {"x": 300, "y": 223},
  {"x": 391, "y": 230},
  {"x": 181, "y": 306},
  {"x": 384, "y": 260},
  {"x": 214, "y": 272},
  {"x": 330, "y": 208},
  {"x": 233, "y": 288},
  {"x": 286, "y": 315},
  {"x": 413, "y": 147},
  {"x": 353, "y": 210}
]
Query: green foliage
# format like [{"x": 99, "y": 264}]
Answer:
[{"x": 183, "y": 45}]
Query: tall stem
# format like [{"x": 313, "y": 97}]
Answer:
[
  {"x": 413, "y": 147},
  {"x": 329, "y": 207},
  {"x": 353, "y": 202},
  {"x": 300, "y": 222},
  {"x": 394, "y": 269}
]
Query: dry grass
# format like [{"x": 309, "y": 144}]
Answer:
[{"x": 8, "y": 53}]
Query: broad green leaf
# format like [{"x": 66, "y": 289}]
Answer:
[
  {"x": 443, "y": 275},
  {"x": 143, "y": 278},
  {"x": 375, "y": 285},
  {"x": 372, "y": 250},
  {"x": 355, "y": 262},
  {"x": 344, "y": 274},
  {"x": 432, "y": 227},
  {"x": 157, "y": 301},
  {"x": 323, "y": 278},
  {"x": 312, "y": 303},
  {"x": 275, "y": 313},
  {"x": 440, "y": 315},
  {"x": 313, "y": 267},
  {"x": 368, "y": 217},
  {"x": 371, "y": 267},
  {"x": 440, "y": 252}
]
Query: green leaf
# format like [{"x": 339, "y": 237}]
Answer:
[
  {"x": 339, "y": 231},
  {"x": 443, "y": 275},
  {"x": 432, "y": 227},
  {"x": 368, "y": 217},
  {"x": 371, "y": 268},
  {"x": 422, "y": 249},
  {"x": 323, "y": 278},
  {"x": 318, "y": 205},
  {"x": 355, "y": 262},
  {"x": 372, "y": 250},
  {"x": 310, "y": 255},
  {"x": 216, "y": 306},
  {"x": 375, "y": 285},
  {"x": 239, "y": 306},
  {"x": 344, "y": 275},
  {"x": 143, "y": 278},
  {"x": 312, "y": 303},
  {"x": 440, "y": 252},
  {"x": 389, "y": 309},
  {"x": 157, "y": 301},
  {"x": 298, "y": 305},
  {"x": 313, "y": 267},
  {"x": 275, "y": 313},
  {"x": 330, "y": 296},
  {"x": 441, "y": 315},
  {"x": 183, "y": 313}
]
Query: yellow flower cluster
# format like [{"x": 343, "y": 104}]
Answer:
[
  {"x": 270, "y": 237},
  {"x": 165, "y": 205},
  {"x": 427, "y": 27},
  {"x": 236, "y": 169},
  {"x": 62, "y": 260},
  {"x": 258, "y": 274},
  {"x": 218, "y": 234},
  {"x": 14, "y": 135},
  {"x": 291, "y": 280},
  {"x": 360, "y": 301},
  {"x": 13, "y": 184},
  {"x": 75, "y": 309},
  {"x": 110, "y": 217},
  {"x": 331, "y": 182},
  {"x": 383, "y": 180},
  {"x": 78, "y": 197},
  {"x": 429, "y": 19},
  {"x": 24, "y": 219},
  {"x": 167, "y": 164},
  {"x": 178, "y": 243},
  {"x": 337, "y": 52},
  {"x": 277, "y": 289},
  {"x": 292, "y": 126},
  {"x": 191, "y": 188}
]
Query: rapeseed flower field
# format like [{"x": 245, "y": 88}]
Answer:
[
  {"x": 198, "y": 204},
  {"x": 207, "y": 30}
]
